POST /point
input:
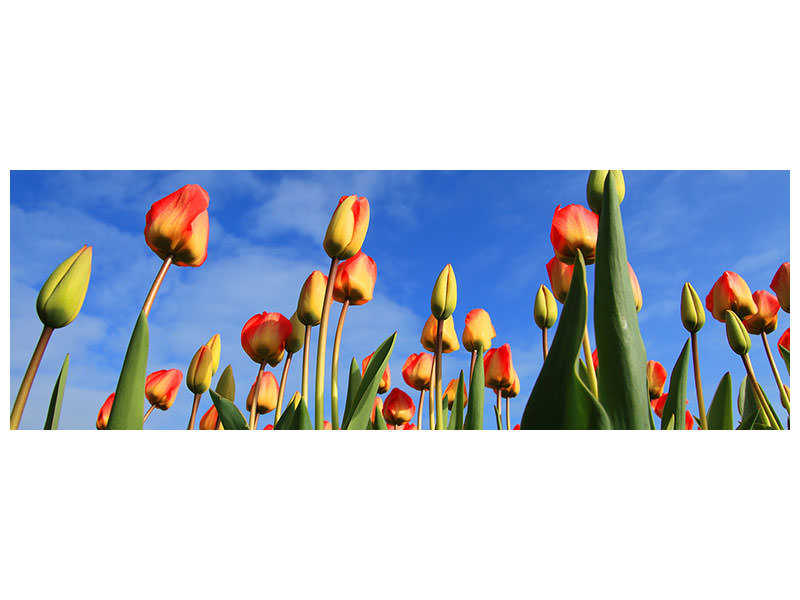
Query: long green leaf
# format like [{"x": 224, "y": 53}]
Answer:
[
  {"x": 476, "y": 392},
  {"x": 365, "y": 396},
  {"x": 302, "y": 420},
  {"x": 288, "y": 417},
  {"x": 459, "y": 403},
  {"x": 128, "y": 407},
  {"x": 753, "y": 416},
  {"x": 676, "y": 398},
  {"x": 229, "y": 415},
  {"x": 226, "y": 385},
  {"x": 379, "y": 424},
  {"x": 785, "y": 355},
  {"x": 54, "y": 410},
  {"x": 622, "y": 381},
  {"x": 720, "y": 413},
  {"x": 352, "y": 389}
]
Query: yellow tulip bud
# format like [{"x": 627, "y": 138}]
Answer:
[
  {"x": 198, "y": 376},
  {"x": 478, "y": 330},
  {"x": 215, "y": 346},
  {"x": 443, "y": 298},
  {"x": 545, "y": 310},
  {"x": 61, "y": 297},
  {"x": 312, "y": 297},
  {"x": 347, "y": 228},
  {"x": 738, "y": 337},
  {"x": 296, "y": 339},
  {"x": 595, "y": 185},
  {"x": 693, "y": 315}
]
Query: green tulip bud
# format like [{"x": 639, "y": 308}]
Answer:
[
  {"x": 738, "y": 338},
  {"x": 61, "y": 297},
  {"x": 226, "y": 386},
  {"x": 595, "y": 185},
  {"x": 545, "y": 310},
  {"x": 693, "y": 315},
  {"x": 443, "y": 299}
]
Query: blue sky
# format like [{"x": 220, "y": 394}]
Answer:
[{"x": 266, "y": 237}]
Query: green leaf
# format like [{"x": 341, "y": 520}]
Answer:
[
  {"x": 476, "y": 395},
  {"x": 380, "y": 423},
  {"x": 352, "y": 389},
  {"x": 622, "y": 381},
  {"x": 720, "y": 413},
  {"x": 785, "y": 354},
  {"x": 54, "y": 410},
  {"x": 226, "y": 386},
  {"x": 497, "y": 416},
  {"x": 128, "y": 407},
  {"x": 676, "y": 398},
  {"x": 560, "y": 400},
  {"x": 459, "y": 403},
  {"x": 368, "y": 388},
  {"x": 287, "y": 419},
  {"x": 753, "y": 416},
  {"x": 229, "y": 415},
  {"x": 451, "y": 420},
  {"x": 302, "y": 420}
]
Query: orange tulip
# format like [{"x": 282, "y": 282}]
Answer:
[
  {"x": 376, "y": 406},
  {"x": 730, "y": 292},
  {"x": 347, "y": 228},
  {"x": 637, "y": 291},
  {"x": 450, "y": 391},
  {"x": 208, "y": 421},
  {"x": 449, "y": 337},
  {"x": 161, "y": 387},
  {"x": 398, "y": 409},
  {"x": 264, "y": 337},
  {"x": 765, "y": 318},
  {"x": 780, "y": 285},
  {"x": 656, "y": 378},
  {"x": 499, "y": 368},
  {"x": 177, "y": 226},
  {"x": 417, "y": 371},
  {"x": 574, "y": 228},
  {"x": 386, "y": 380},
  {"x": 312, "y": 297},
  {"x": 105, "y": 412},
  {"x": 355, "y": 280},
  {"x": 267, "y": 394},
  {"x": 560, "y": 276},
  {"x": 478, "y": 330},
  {"x": 513, "y": 391},
  {"x": 784, "y": 340},
  {"x": 689, "y": 421}
]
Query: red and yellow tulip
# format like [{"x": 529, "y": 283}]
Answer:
[
  {"x": 264, "y": 337},
  {"x": 177, "y": 226},
  {"x": 574, "y": 228},
  {"x": 161, "y": 387},
  {"x": 478, "y": 330},
  {"x": 355, "y": 280},
  {"x": 780, "y": 285},
  {"x": 730, "y": 292},
  {"x": 398, "y": 409}
]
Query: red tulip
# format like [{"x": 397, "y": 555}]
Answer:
[
  {"x": 398, "y": 409},
  {"x": 513, "y": 390},
  {"x": 516, "y": 427},
  {"x": 637, "y": 291},
  {"x": 689, "y": 420},
  {"x": 269, "y": 427},
  {"x": 355, "y": 280},
  {"x": 780, "y": 285},
  {"x": 208, "y": 421},
  {"x": 766, "y": 317},
  {"x": 478, "y": 330},
  {"x": 409, "y": 426},
  {"x": 656, "y": 378},
  {"x": 326, "y": 426},
  {"x": 499, "y": 368},
  {"x": 347, "y": 228},
  {"x": 386, "y": 380},
  {"x": 560, "y": 276},
  {"x": 417, "y": 371},
  {"x": 595, "y": 360},
  {"x": 264, "y": 337},
  {"x": 177, "y": 226},
  {"x": 658, "y": 404},
  {"x": 105, "y": 412},
  {"x": 574, "y": 228},
  {"x": 730, "y": 292},
  {"x": 267, "y": 398},
  {"x": 161, "y": 387},
  {"x": 783, "y": 342}
]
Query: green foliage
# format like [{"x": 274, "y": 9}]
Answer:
[
  {"x": 720, "y": 413},
  {"x": 458, "y": 412},
  {"x": 127, "y": 411},
  {"x": 365, "y": 395},
  {"x": 676, "y": 398},
  {"x": 352, "y": 388},
  {"x": 54, "y": 410},
  {"x": 476, "y": 395},
  {"x": 753, "y": 416},
  {"x": 785, "y": 355},
  {"x": 226, "y": 386},
  {"x": 229, "y": 415}
]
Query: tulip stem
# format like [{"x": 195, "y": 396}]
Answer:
[
  {"x": 30, "y": 373},
  {"x": 699, "y": 386},
  {"x": 775, "y": 373},
  {"x": 257, "y": 390},
  {"x": 304, "y": 383},
  {"x": 499, "y": 410},
  {"x": 255, "y": 425},
  {"x": 587, "y": 354},
  {"x": 757, "y": 392},
  {"x": 319, "y": 405},
  {"x": 151, "y": 295},
  {"x": 419, "y": 411},
  {"x": 432, "y": 393},
  {"x": 439, "y": 416},
  {"x": 472, "y": 360},
  {"x": 544, "y": 343},
  {"x": 335, "y": 366},
  {"x": 147, "y": 414},
  {"x": 508, "y": 414},
  {"x": 282, "y": 388},
  {"x": 195, "y": 404}
]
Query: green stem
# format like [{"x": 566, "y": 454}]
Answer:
[
  {"x": 757, "y": 391},
  {"x": 587, "y": 354},
  {"x": 335, "y": 366},
  {"x": 147, "y": 414},
  {"x": 508, "y": 414},
  {"x": 432, "y": 394},
  {"x": 775, "y": 373},
  {"x": 151, "y": 295},
  {"x": 499, "y": 411},
  {"x": 699, "y": 386},
  {"x": 439, "y": 416},
  {"x": 282, "y": 388},
  {"x": 319, "y": 405},
  {"x": 30, "y": 373},
  {"x": 254, "y": 404},
  {"x": 195, "y": 404},
  {"x": 304, "y": 384}
]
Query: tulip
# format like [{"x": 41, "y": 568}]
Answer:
[
  {"x": 689, "y": 421},
  {"x": 264, "y": 337},
  {"x": 376, "y": 406},
  {"x": 215, "y": 346},
  {"x": 347, "y": 228},
  {"x": 443, "y": 298},
  {"x": 266, "y": 396},
  {"x": 499, "y": 371},
  {"x": 208, "y": 421},
  {"x": 478, "y": 330},
  {"x": 508, "y": 393},
  {"x": 198, "y": 377},
  {"x": 417, "y": 373},
  {"x": 269, "y": 427},
  {"x": 560, "y": 275},
  {"x": 312, "y": 298},
  {"x": 596, "y": 185},
  {"x": 730, "y": 292},
  {"x": 656, "y": 378},
  {"x": 765, "y": 319},
  {"x": 409, "y": 427},
  {"x": 637, "y": 291},
  {"x": 295, "y": 341},
  {"x": 574, "y": 228},
  {"x": 780, "y": 285},
  {"x": 785, "y": 341},
  {"x": 516, "y": 427},
  {"x": 595, "y": 360},
  {"x": 398, "y": 409},
  {"x": 355, "y": 280},
  {"x": 386, "y": 379},
  {"x": 105, "y": 412},
  {"x": 657, "y": 404},
  {"x": 693, "y": 316},
  {"x": 450, "y": 392},
  {"x": 449, "y": 337},
  {"x": 161, "y": 388},
  {"x": 545, "y": 313}
]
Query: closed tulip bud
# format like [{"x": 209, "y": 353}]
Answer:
[
  {"x": 417, "y": 371},
  {"x": 347, "y": 228},
  {"x": 478, "y": 330},
  {"x": 596, "y": 185},
  {"x": 264, "y": 337},
  {"x": 198, "y": 376},
  {"x": 312, "y": 297},
  {"x": 560, "y": 275},
  {"x": 215, "y": 346},
  {"x": 226, "y": 386},
  {"x": 267, "y": 397},
  {"x": 656, "y": 378},
  {"x": 161, "y": 387},
  {"x": 545, "y": 310},
  {"x": 780, "y": 285},
  {"x": 513, "y": 391},
  {"x": 738, "y": 338},
  {"x": 765, "y": 320},
  {"x": 355, "y": 280},
  {"x": 730, "y": 292},
  {"x": 398, "y": 409},
  {"x": 784, "y": 340},
  {"x": 449, "y": 337},
  {"x": 177, "y": 226},
  {"x": 386, "y": 380},
  {"x": 498, "y": 368},
  {"x": 208, "y": 421},
  {"x": 296, "y": 339},
  {"x": 443, "y": 298},
  {"x": 376, "y": 406},
  {"x": 61, "y": 297},
  {"x": 637, "y": 291},
  {"x": 105, "y": 412},
  {"x": 693, "y": 315},
  {"x": 450, "y": 392},
  {"x": 574, "y": 228}
]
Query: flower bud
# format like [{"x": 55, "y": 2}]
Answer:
[
  {"x": 264, "y": 337},
  {"x": 347, "y": 228},
  {"x": 226, "y": 385},
  {"x": 513, "y": 391},
  {"x": 105, "y": 412},
  {"x": 738, "y": 338},
  {"x": 478, "y": 330},
  {"x": 177, "y": 226},
  {"x": 61, "y": 297},
  {"x": 693, "y": 315},
  {"x": 780, "y": 285},
  {"x": 656, "y": 378},
  {"x": 296, "y": 339},
  {"x": 208, "y": 421},
  {"x": 161, "y": 387},
  {"x": 637, "y": 291},
  {"x": 449, "y": 337},
  {"x": 730, "y": 292},
  {"x": 596, "y": 185},
  {"x": 355, "y": 280},
  {"x": 198, "y": 376},
  {"x": 765, "y": 320},
  {"x": 560, "y": 275},
  {"x": 498, "y": 368},
  {"x": 312, "y": 297},
  {"x": 398, "y": 409},
  {"x": 784, "y": 340},
  {"x": 450, "y": 391},
  {"x": 267, "y": 397},
  {"x": 574, "y": 228},
  {"x": 386, "y": 379},
  {"x": 443, "y": 298},
  {"x": 545, "y": 310},
  {"x": 417, "y": 371},
  {"x": 215, "y": 346}
]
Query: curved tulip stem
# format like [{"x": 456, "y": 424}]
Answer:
[
  {"x": 699, "y": 386},
  {"x": 304, "y": 383},
  {"x": 472, "y": 360},
  {"x": 27, "y": 379},
  {"x": 254, "y": 404},
  {"x": 147, "y": 414},
  {"x": 439, "y": 413},
  {"x": 151, "y": 295},
  {"x": 775, "y": 373},
  {"x": 757, "y": 392},
  {"x": 319, "y": 404},
  {"x": 282, "y": 388},
  {"x": 195, "y": 404},
  {"x": 508, "y": 414},
  {"x": 432, "y": 394},
  {"x": 419, "y": 410},
  {"x": 587, "y": 354},
  {"x": 544, "y": 343},
  {"x": 335, "y": 366},
  {"x": 499, "y": 411}
]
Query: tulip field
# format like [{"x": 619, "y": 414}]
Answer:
[{"x": 581, "y": 323}]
